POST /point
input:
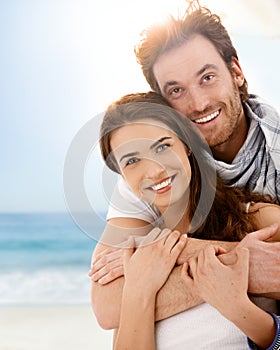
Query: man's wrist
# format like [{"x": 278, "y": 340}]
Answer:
[{"x": 195, "y": 245}]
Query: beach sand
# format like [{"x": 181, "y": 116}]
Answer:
[{"x": 51, "y": 328}]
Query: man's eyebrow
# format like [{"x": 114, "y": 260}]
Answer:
[
  {"x": 201, "y": 71},
  {"x": 168, "y": 84},
  {"x": 132, "y": 154},
  {"x": 160, "y": 141},
  {"x": 205, "y": 68}
]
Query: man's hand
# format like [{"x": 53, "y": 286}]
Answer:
[
  {"x": 107, "y": 266},
  {"x": 216, "y": 283},
  {"x": 264, "y": 270}
]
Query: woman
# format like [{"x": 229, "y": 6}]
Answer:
[{"x": 165, "y": 163}]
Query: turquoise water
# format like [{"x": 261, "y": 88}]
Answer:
[{"x": 44, "y": 259}]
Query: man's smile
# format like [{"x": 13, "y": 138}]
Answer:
[{"x": 207, "y": 118}]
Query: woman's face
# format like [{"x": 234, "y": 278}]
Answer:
[{"x": 153, "y": 161}]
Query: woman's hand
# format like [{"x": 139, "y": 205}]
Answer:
[
  {"x": 147, "y": 268},
  {"x": 219, "y": 285},
  {"x": 108, "y": 265}
]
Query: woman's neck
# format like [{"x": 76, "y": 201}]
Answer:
[{"x": 176, "y": 216}]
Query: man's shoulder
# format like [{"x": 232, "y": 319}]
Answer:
[{"x": 262, "y": 110}]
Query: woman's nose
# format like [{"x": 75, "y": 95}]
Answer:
[{"x": 153, "y": 169}]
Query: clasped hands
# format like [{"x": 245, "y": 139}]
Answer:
[{"x": 261, "y": 257}]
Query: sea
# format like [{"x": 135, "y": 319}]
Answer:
[{"x": 44, "y": 259}]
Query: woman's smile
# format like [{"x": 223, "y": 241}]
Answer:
[{"x": 163, "y": 185}]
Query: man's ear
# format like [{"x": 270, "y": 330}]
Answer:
[{"x": 237, "y": 72}]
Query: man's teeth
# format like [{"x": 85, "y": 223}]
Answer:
[
  {"x": 162, "y": 185},
  {"x": 208, "y": 118}
]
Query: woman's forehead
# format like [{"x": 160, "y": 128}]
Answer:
[{"x": 144, "y": 129}]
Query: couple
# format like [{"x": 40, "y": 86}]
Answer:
[
  {"x": 154, "y": 149},
  {"x": 198, "y": 72}
]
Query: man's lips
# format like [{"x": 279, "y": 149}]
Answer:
[
  {"x": 162, "y": 184},
  {"x": 207, "y": 118}
]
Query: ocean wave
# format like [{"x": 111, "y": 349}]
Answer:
[{"x": 44, "y": 286}]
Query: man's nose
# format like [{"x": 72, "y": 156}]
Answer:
[{"x": 197, "y": 100}]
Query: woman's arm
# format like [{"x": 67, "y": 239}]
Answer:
[
  {"x": 225, "y": 288},
  {"x": 106, "y": 299},
  {"x": 136, "y": 330}
]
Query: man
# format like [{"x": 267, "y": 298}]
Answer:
[{"x": 193, "y": 64}]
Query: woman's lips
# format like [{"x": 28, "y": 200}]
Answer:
[{"x": 163, "y": 185}]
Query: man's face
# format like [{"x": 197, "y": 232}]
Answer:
[{"x": 196, "y": 81}]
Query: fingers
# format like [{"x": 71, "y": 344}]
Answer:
[
  {"x": 192, "y": 269},
  {"x": 209, "y": 255},
  {"x": 243, "y": 255},
  {"x": 186, "y": 275},
  {"x": 103, "y": 259},
  {"x": 208, "y": 260},
  {"x": 109, "y": 273},
  {"x": 156, "y": 233},
  {"x": 266, "y": 233},
  {"x": 112, "y": 275},
  {"x": 175, "y": 241}
]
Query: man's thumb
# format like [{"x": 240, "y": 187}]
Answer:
[{"x": 266, "y": 233}]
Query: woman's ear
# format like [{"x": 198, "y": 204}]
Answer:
[
  {"x": 237, "y": 72},
  {"x": 188, "y": 152}
]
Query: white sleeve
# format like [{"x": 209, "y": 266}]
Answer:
[{"x": 125, "y": 204}]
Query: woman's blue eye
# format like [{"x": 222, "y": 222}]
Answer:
[
  {"x": 132, "y": 161},
  {"x": 162, "y": 147}
]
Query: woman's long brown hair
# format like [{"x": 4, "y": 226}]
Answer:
[{"x": 227, "y": 218}]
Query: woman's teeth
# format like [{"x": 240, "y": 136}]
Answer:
[
  {"x": 161, "y": 185},
  {"x": 208, "y": 118}
]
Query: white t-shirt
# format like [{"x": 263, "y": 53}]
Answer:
[
  {"x": 204, "y": 328},
  {"x": 124, "y": 203}
]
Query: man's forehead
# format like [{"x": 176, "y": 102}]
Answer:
[{"x": 192, "y": 56}]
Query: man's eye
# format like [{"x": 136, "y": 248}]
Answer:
[
  {"x": 162, "y": 147},
  {"x": 208, "y": 77},
  {"x": 175, "y": 91},
  {"x": 132, "y": 161}
]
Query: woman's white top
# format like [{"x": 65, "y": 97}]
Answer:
[{"x": 203, "y": 327}]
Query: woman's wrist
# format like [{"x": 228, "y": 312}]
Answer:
[
  {"x": 275, "y": 345},
  {"x": 139, "y": 295},
  {"x": 257, "y": 324}
]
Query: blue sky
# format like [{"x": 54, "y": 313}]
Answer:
[{"x": 62, "y": 62}]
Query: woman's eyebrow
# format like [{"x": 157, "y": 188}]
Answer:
[
  {"x": 160, "y": 141},
  {"x": 132, "y": 154}
]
